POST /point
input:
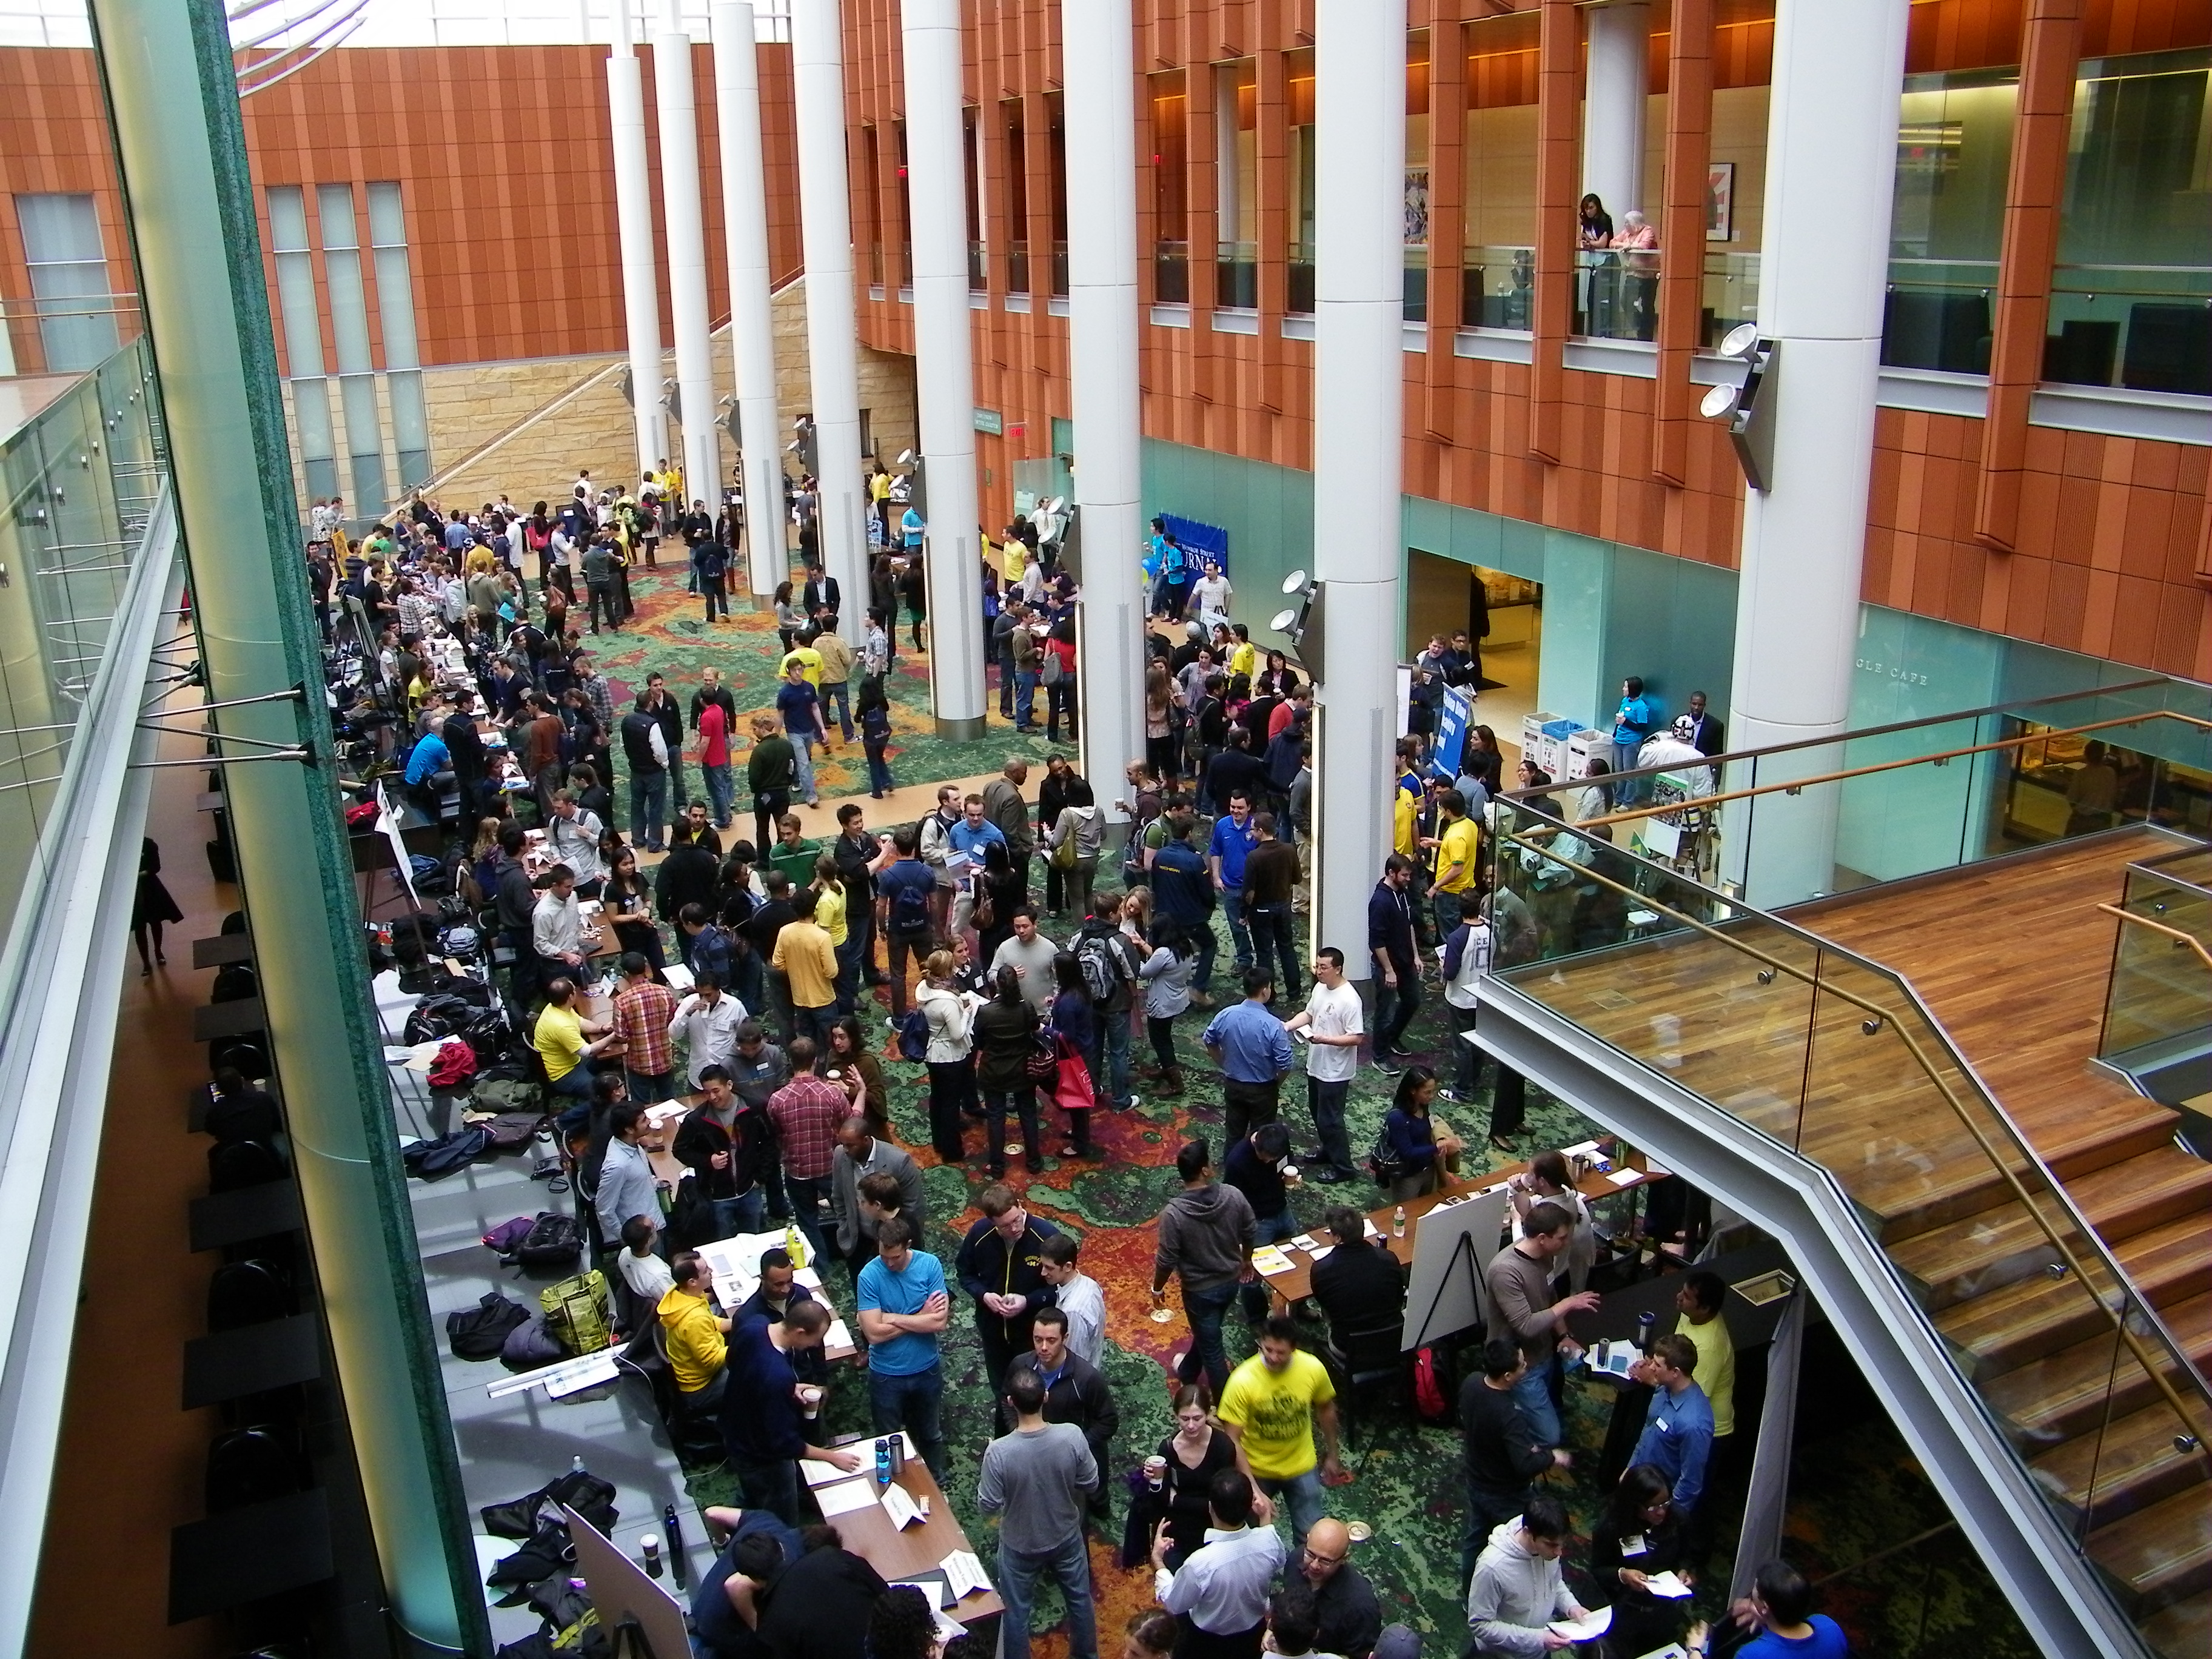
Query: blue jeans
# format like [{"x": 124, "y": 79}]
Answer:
[
  {"x": 1447, "y": 909},
  {"x": 1533, "y": 1393},
  {"x": 574, "y": 1085},
  {"x": 1209, "y": 946},
  {"x": 915, "y": 1403},
  {"x": 879, "y": 771},
  {"x": 802, "y": 752},
  {"x": 834, "y": 701},
  {"x": 1394, "y": 1008},
  {"x": 1025, "y": 685},
  {"x": 1069, "y": 1564},
  {"x": 1240, "y": 935},
  {"x": 719, "y": 793},
  {"x": 848, "y": 969},
  {"x": 1326, "y": 1101},
  {"x": 745, "y": 1214},
  {"x": 649, "y": 809},
  {"x": 807, "y": 1193},
  {"x": 1113, "y": 1046},
  {"x": 1205, "y": 1309},
  {"x": 775, "y": 1487},
  {"x": 676, "y": 795},
  {"x": 1271, "y": 934},
  {"x": 1307, "y": 1502}
]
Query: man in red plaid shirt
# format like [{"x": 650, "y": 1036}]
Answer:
[
  {"x": 806, "y": 1112},
  {"x": 643, "y": 1009}
]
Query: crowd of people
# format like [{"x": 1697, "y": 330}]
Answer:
[{"x": 1024, "y": 981}]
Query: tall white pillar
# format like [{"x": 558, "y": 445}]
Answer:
[
  {"x": 1831, "y": 166},
  {"x": 640, "y": 274},
  {"x": 753, "y": 333},
  {"x": 1359, "y": 49},
  {"x": 825, "y": 225},
  {"x": 937, "y": 176},
  {"x": 687, "y": 258},
  {"x": 1100, "y": 96},
  {"x": 1612, "y": 107}
]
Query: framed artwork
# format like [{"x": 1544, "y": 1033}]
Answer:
[
  {"x": 1720, "y": 201},
  {"x": 1417, "y": 207}
]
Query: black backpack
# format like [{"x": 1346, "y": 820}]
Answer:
[
  {"x": 433, "y": 1160},
  {"x": 553, "y": 1240},
  {"x": 435, "y": 1017},
  {"x": 479, "y": 1333}
]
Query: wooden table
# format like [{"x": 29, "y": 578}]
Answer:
[
  {"x": 918, "y": 1550},
  {"x": 244, "y": 1017},
  {"x": 223, "y": 950},
  {"x": 1297, "y": 1283}
]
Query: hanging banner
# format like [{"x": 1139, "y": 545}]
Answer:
[{"x": 1454, "y": 715}]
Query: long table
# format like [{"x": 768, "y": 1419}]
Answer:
[
  {"x": 1297, "y": 1283},
  {"x": 917, "y": 1550}
]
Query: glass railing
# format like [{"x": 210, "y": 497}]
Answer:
[
  {"x": 979, "y": 268},
  {"x": 1018, "y": 267},
  {"x": 2145, "y": 327},
  {"x": 875, "y": 264},
  {"x": 1060, "y": 271},
  {"x": 1171, "y": 273},
  {"x": 1417, "y": 285},
  {"x": 1300, "y": 300},
  {"x": 65, "y": 334},
  {"x": 1803, "y": 821},
  {"x": 2158, "y": 1005},
  {"x": 1835, "y": 1059},
  {"x": 1938, "y": 314},
  {"x": 1731, "y": 294},
  {"x": 1617, "y": 294},
  {"x": 1498, "y": 288},
  {"x": 82, "y": 477},
  {"x": 1237, "y": 276}
]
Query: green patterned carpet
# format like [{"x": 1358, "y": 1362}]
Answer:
[{"x": 1861, "y": 1492}]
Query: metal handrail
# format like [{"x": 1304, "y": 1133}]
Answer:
[
  {"x": 2173, "y": 933},
  {"x": 2073, "y": 1265},
  {"x": 1792, "y": 786},
  {"x": 1894, "y": 725}
]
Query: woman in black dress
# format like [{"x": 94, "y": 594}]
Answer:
[
  {"x": 1198, "y": 1450},
  {"x": 152, "y": 908}
]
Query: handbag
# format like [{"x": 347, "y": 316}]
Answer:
[
  {"x": 1071, "y": 1089},
  {"x": 1043, "y": 1063}
]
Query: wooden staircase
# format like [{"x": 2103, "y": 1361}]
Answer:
[{"x": 2012, "y": 958}]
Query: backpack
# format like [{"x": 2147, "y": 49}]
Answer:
[
  {"x": 512, "y": 1131},
  {"x": 501, "y": 1095},
  {"x": 502, "y": 1240},
  {"x": 914, "y": 1036},
  {"x": 553, "y": 1241},
  {"x": 1431, "y": 1398},
  {"x": 909, "y": 911},
  {"x": 480, "y": 1332},
  {"x": 576, "y": 1313},
  {"x": 530, "y": 1345},
  {"x": 1096, "y": 955},
  {"x": 433, "y": 1160},
  {"x": 437, "y": 1016}
]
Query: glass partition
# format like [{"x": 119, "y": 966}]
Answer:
[
  {"x": 1416, "y": 299},
  {"x": 1300, "y": 301},
  {"x": 1171, "y": 273},
  {"x": 1834, "y": 1058},
  {"x": 2158, "y": 1007},
  {"x": 1940, "y": 314},
  {"x": 1731, "y": 293},
  {"x": 1497, "y": 287},
  {"x": 1237, "y": 276},
  {"x": 1617, "y": 294}
]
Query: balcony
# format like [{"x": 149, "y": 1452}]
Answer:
[
  {"x": 1171, "y": 273},
  {"x": 1498, "y": 288},
  {"x": 2147, "y": 328},
  {"x": 1237, "y": 276},
  {"x": 1617, "y": 294}
]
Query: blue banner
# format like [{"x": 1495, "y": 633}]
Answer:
[{"x": 1454, "y": 715}]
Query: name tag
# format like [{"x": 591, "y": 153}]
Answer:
[{"x": 1634, "y": 1545}]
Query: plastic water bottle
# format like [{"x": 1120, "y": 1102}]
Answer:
[
  {"x": 1644, "y": 1322},
  {"x": 1398, "y": 1222},
  {"x": 882, "y": 1462},
  {"x": 576, "y": 1464}
]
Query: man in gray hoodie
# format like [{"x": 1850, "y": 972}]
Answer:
[
  {"x": 1207, "y": 1235},
  {"x": 1518, "y": 1591}
]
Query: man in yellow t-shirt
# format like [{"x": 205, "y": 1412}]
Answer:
[
  {"x": 1243, "y": 656},
  {"x": 807, "y": 658},
  {"x": 1274, "y": 1403},
  {"x": 1454, "y": 844},
  {"x": 1403, "y": 806},
  {"x": 564, "y": 1040},
  {"x": 805, "y": 957},
  {"x": 1700, "y": 1298}
]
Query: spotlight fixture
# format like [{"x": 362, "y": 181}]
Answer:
[
  {"x": 1750, "y": 416},
  {"x": 1300, "y": 622}
]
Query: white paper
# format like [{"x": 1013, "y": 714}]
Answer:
[
  {"x": 678, "y": 977},
  {"x": 839, "y": 1336},
  {"x": 947, "y": 1630},
  {"x": 1625, "y": 1177},
  {"x": 1319, "y": 1252},
  {"x": 846, "y": 1496},
  {"x": 1583, "y": 1630},
  {"x": 964, "y": 1574},
  {"x": 1667, "y": 1584},
  {"x": 939, "y": 1592},
  {"x": 901, "y": 1509}
]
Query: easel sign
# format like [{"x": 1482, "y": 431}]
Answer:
[
  {"x": 1452, "y": 1245},
  {"x": 641, "y": 1620}
]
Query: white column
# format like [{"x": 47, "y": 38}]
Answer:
[
  {"x": 1359, "y": 423},
  {"x": 640, "y": 279},
  {"x": 1830, "y": 165},
  {"x": 1612, "y": 107},
  {"x": 753, "y": 333},
  {"x": 937, "y": 176},
  {"x": 687, "y": 258},
  {"x": 825, "y": 225},
  {"x": 1100, "y": 94}
]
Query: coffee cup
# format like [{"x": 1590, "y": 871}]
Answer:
[
  {"x": 1290, "y": 1172},
  {"x": 1156, "y": 1472},
  {"x": 809, "y": 1400}
]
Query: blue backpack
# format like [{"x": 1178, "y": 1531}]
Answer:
[{"x": 914, "y": 1036}]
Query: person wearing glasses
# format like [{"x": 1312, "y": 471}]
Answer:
[{"x": 1350, "y": 1615}]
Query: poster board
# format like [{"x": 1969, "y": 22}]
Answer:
[
  {"x": 621, "y": 1590},
  {"x": 1444, "y": 1294},
  {"x": 387, "y": 824}
]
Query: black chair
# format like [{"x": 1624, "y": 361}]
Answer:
[
  {"x": 2082, "y": 352},
  {"x": 2169, "y": 349},
  {"x": 1365, "y": 1356},
  {"x": 244, "y": 1163},
  {"x": 241, "y": 1293},
  {"x": 251, "y": 1466},
  {"x": 248, "y": 1056},
  {"x": 697, "y": 1440}
]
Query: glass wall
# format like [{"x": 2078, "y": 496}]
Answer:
[
  {"x": 1298, "y": 88},
  {"x": 1170, "y": 188},
  {"x": 75, "y": 313},
  {"x": 395, "y": 311},
  {"x": 1947, "y": 222},
  {"x": 1237, "y": 185}
]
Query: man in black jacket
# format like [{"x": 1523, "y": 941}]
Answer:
[
  {"x": 646, "y": 758},
  {"x": 467, "y": 751},
  {"x": 1504, "y": 1453},
  {"x": 1000, "y": 1266},
  {"x": 670, "y": 713},
  {"x": 1075, "y": 1391},
  {"x": 1358, "y": 1284},
  {"x": 821, "y": 594},
  {"x": 690, "y": 874},
  {"x": 515, "y": 903},
  {"x": 760, "y": 929},
  {"x": 724, "y": 1142}
]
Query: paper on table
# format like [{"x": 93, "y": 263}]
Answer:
[
  {"x": 1303, "y": 1242},
  {"x": 901, "y": 1509},
  {"x": 964, "y": 1574},
  {"x": 1624, "y": 1177},
  {"x": 1667, "y": 1584},
  {"x": 839, "y": 1336},
  {"x": 1582, "y": 1630},
  {"x": 1268, "y": 1261},
  {"x": 819, "y": 1474},
  {"x": 1319, "y": 1252},
  {"x": 939, "y": 1592},
  {"x": 947, "y": 1630},
  {"x": 846, "y": 1496}
]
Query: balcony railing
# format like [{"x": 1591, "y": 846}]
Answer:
[
  {"x": 1617, "y": 294},
  {"x": 1731, "y": 294},
  {"x": 1938, "y": 314},
  {"x": 1498, "y": 288},
  {"x": 2147, "y": 328},
  {"x": 1416, "y": 296},
  {"x": 979, "y": 267},
  {"x": 1018, "y": 267},
  {"x": 65, "y": 334},
  {"x": 1300, "y": 301},
  {"x": 1171, "y": 273},
  {"x": 1237, "y": 276}
]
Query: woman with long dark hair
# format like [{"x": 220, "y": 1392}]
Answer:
[
  {"x": 1074, "y": 1019},
  {"x": 1005, "y": 1034},
  {"x": 1420, "y": 1151},
  {"x": 1639, "y": 1536},
  {"x": 629, "y": 901}
]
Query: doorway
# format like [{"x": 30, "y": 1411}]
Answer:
[{"x": 1443, "y": 596}]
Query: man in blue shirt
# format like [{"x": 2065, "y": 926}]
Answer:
[
  {"x": 1184, "y": 894},
  {"x": 430, "y": 770},
  {"x": 1678, "y": 1429},
  {"x": 910, "y": 529},
  {"x": 1249, "y": 1045},
  {"x": 902, "y": 1307},
  {"x": 763, "y": 1425},
  {"x": 800, "y": 706},
  {"x": 1234, "y": 838},
  {"x": 1632, "y": 724},
  {"x": 904, "y": 895}
]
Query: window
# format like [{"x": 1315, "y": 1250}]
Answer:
[
  {"x": 395, "y": 310},
  {"x": 298, "y": 314},
  {"x": 1170, "y": 188},
  {"x": 69, "y": 281},
  {"x": 341, "y": 273}
]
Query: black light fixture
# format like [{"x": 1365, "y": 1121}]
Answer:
[{"x": 1749, "y": 414}]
